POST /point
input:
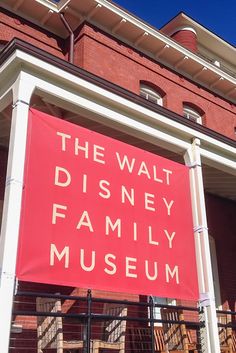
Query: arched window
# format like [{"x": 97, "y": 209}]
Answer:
[
  {"x": 192, "y": 114},
  {"x": 150, "y": 94}
]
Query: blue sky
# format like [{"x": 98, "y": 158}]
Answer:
[{"x": 219, "y": 16}]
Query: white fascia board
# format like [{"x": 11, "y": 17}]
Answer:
[
  {"x": 157, "y": 34},
  {"x": 53, "y": 6},
  {"x": 179, "y": 135},
  {"x": 4, "y": 66},
  {"x": 49, "y": 4},
  {"x": 6, "y": 98},
  {"x": 215, "y": 160}
]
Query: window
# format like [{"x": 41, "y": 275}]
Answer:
[
  {"x": 157, "y": 310},
  {"x": 192, "y": 114},
  {"x": 150, "y": 94}
]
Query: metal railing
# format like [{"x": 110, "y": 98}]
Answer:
[
  {"x": 86, "y": 324},
  {"x": 227, "y": 329}
]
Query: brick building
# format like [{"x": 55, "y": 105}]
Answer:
[{"x": 171, "y": 92}]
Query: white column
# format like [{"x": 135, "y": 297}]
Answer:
[
  {"x": 22, "y": 91},
  {"x": 209, "y": 335}
]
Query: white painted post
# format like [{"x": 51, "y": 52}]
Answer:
[
  {"x": 209, "y": 335},
  {"x": 22, "y": 91}
]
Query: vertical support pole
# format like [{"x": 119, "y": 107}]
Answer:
[
  {"x": 88, "y": 339},
  {"x": 151, "y": 306},
  {"x": 22, "y": 91},
  {"x": 209, "y": 334}
]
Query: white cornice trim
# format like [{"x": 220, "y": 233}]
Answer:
[
  {"x": 165, "y": 39},
  {"x": 182, "y": 28},
  {"x": 53, "y": 6}
]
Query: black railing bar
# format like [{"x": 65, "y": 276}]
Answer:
[
  {"x": 149, "y": 320},
  {"x": 17, "y": 349},
  {"x": 229, "y": 324},
  {"x": 99, "y": 317},
  {"x": 102, "y": 300},
  {"x": 116, "y": 301},
  {"x": 151, "y": 312},
  {"x": 177, "y": 307},
  {"x": 102, "y": 317},
  {"x": 22, "y": 339},
  {"x": 27, "y": 347},
  {"x": 146, "y": 304},
  {"x": 179, "y": 322},
  {"x": 50, "y": 314},
  {"x": 77, "y": 298},
  {"x": 78, "y": 316},
  {"x": 226, "y": 312},
  {"x": 88, "y": 328},
  {"x": 51, "y": 295},
  {"x": 24, "y": 301}
]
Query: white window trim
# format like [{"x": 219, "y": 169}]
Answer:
[
  {"x": 150, "y": 94},
  {"x": 192, "y": 114}
]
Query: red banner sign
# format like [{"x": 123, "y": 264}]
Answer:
[{"x": 99, "y": 213}]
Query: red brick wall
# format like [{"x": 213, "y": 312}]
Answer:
[
  {"x": 120, "y": 64},
  {"x": 12, "y": 26},
  {"x": 222, "y": 224}
]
